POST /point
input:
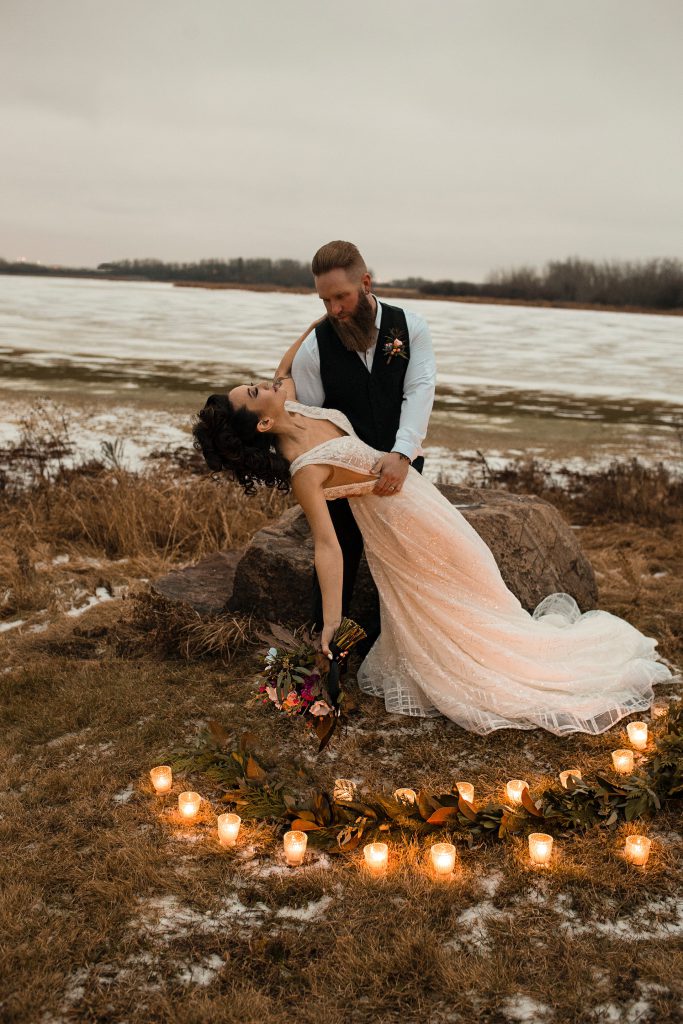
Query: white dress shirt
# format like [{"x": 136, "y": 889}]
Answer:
[{"x": 418, "y": 385}]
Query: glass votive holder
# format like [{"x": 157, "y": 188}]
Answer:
[
  {"x": 466, "y": 791},
  {"x": 443, "y": 860},
  {"x": 405, "y": 796},
  {"x": 295, "y": 843},
  {"x": 623, "y": 761},
  {"x": 514, "y": 790},
  {"x": 376, "y": 857},
  {"x": 540, "y": 847},
  {"x": 637, "y": 734},
  {"x": 162, "y": 778},
  {"x": 188, "y": 804},
  {"x": 564, "y": 776},
  {"x": 637, "y": 850},
  {"x": 228, "y": 828}
]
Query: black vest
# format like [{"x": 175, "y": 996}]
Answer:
[{"x": 371, "y": 400}]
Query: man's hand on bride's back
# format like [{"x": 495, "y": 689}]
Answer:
[{"x": 393, "y": 470}]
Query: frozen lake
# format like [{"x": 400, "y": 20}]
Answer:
[{"x": 511, "y": 379}]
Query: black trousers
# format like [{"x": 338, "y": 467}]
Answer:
[{"x": 351, "y": 544}]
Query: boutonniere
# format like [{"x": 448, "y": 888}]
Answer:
[{"x": 395, "y": 345}]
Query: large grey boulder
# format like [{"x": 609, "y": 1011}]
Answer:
[
  {"x": 207, "y": 586},
  {"x": 535, "y": 548}
]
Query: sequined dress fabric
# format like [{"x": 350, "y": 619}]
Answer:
[{"x": 455, "y": 641}]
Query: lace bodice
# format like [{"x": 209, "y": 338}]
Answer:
[{"x": 347, "y": 452}]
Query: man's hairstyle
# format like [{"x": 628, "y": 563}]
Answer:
[{"x": 338, "y": 255}]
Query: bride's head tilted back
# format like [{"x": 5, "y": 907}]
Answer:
[{"x": 233, "y": 432}]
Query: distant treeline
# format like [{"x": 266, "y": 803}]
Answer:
[
  {"x": 283, "y": 273},
  {"x": 655, "y": 284},
  {"x": 651, "y": 284}
]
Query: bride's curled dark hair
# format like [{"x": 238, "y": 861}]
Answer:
[{"x": 228, "y": 439}]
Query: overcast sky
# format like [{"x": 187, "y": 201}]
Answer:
[{"x": 446, "y": 138}]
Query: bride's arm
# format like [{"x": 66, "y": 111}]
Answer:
[
  {"x": 284, "y": 370},
  {"x": 307, "y": 486}
]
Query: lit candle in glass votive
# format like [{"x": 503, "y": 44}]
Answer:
[
  {"x": 623, "y": 761},
  {"x": 540, "y": 847},
  {"x": 515, "y": 788},
  {"x": 637, "y": 734},
  {"x": 564, "y": 776},
  {"x": 295, "y": 847},
  {"x": 228, "y": 827},
  {"x": 466, "y": 791},
  {"x": 659, "y": 709},
  {"x": 405, "y": 796},
  {"x": 376, "y": 857},
  {"x": 443, "y": 859},
  {"x": 637, "y": 849},
  {"x": 188, "y": 804},
  {"x": 162, "y": 778}
]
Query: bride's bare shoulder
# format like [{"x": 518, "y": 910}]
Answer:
[{"x": 309, "y": 479}]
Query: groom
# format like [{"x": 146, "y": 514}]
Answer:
[{"x": 374, "y": 362}]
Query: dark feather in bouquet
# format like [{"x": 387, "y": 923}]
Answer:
[{"x": 348, "y": 634}]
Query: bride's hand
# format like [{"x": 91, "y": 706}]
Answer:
[{"x": 326, "y": 638}]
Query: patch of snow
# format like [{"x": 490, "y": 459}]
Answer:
[
  {"x": 101, "y": 594},
  {"x": 659, "y": 919},
  {"x": 60, "y": 560},
  {"x": 76, "y": 987},
  {"x": 124, "y": 795},
  {"x": 40, "y": 627},
  {"x": 491, "y": 883},
  {"x": 263, "y": 869},
  {"x": 633, "y": 1013},
  {"x": 313, "y": 909},
  {"x": 201, "y": 973},
  {"x": 5, "y": 626},
  {"x": 473, "y": 925},
  {"x": 65, "y": 738},
  {"x": 187, "y": 837},
  {"x": 524, "y": 1008},
  {"x": 167, "y": 919}
]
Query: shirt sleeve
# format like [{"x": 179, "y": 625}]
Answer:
[
  {"x": 418, "y": 389},
  {"x": 306, "y": 373}
]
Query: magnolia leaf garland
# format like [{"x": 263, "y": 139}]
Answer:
[{"x": 339, "y": 821}]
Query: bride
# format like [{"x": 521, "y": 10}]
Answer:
[{"x": 455, "y": 641}]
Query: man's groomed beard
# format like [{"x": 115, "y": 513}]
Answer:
[{"x": 356, "y": 331}]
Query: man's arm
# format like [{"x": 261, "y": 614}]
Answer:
[
  {"x": 306, "y": 373},
  {"x": 418, "y": 389}
]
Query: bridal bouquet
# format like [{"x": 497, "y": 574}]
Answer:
[{"x": 299, "y": 681}]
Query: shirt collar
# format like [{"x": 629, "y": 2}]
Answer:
[{"x": 378, "y": 318}]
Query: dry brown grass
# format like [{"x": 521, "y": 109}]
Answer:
[
  {"x": 624, "y": 492},
  {"x": 111, "y": 909}
]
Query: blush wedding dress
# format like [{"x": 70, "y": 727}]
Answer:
[{"x": 455, "y": 641}]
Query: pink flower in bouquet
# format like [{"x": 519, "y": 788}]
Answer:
[
  {"x": 320, "y": 708},
  {"x": 272, "y": 695}
]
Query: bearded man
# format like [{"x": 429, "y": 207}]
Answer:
[{"x": 375, "y": 363}]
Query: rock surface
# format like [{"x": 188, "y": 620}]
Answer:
[
  {"x": 207, "y": 586},
  {"x": 536, "y": 550}
]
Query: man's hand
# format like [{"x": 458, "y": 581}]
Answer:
[{"x": 393, "y": 471}]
